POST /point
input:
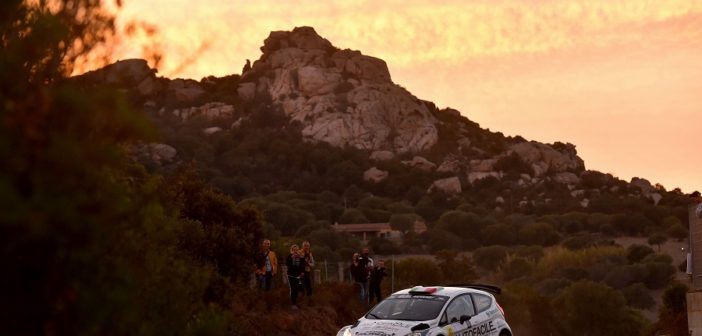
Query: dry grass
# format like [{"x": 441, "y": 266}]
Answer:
[{"x": 331, "y": 306}]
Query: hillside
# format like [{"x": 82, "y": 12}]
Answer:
[{"x": 313, "y": 135}]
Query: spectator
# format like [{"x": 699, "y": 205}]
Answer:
[
  {"x": 296, "y": 272},
  {"x": 376, "y": 277},
  {"x": 360, "y": 276},
  {"x": 309, "y": 265},
  {"x": 366, "y": 260},
  {"x": 266, "y": 266}
]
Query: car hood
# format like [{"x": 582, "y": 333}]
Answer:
[{"x": 383, "y": 327}]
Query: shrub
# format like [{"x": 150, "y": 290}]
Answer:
[
  {"x": 491, "y": 257},
  {"x": 417, "y": 271},
  {"x": 636, "y": 252},
  {"x": 516, "y": 268},
  {"x": 637, "y": 295},
  {"x": 575, "y": 243},
  {"x": 538, "y": 234},
  {"x": 659, "y": 275},
  {"x": 605, "y": 310},
  {"x": 353, "y": 216}
]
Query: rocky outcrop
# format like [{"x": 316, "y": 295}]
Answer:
[
  {"x": 544, "y": 158},
  {"x": 643, "y": 184},
  {"x": 127, "y": 72},
  {"x": 419, "y": 162},
  {"x": 451, "y": 185},
  {"x": 450, "y": 165},
  {"x": 475, "y": 176},
  {"x": 482, "y": 165},
  {"x": 158, "y": 153},
  {"x": 185, "y": 91},
  {"x": 375, "y": 175},
  {"x": 567, "y": 178},
  {"x": 382, "y": 155},
  {"x": 210, "y": 111},
  {"x": 341, "y": 97}
]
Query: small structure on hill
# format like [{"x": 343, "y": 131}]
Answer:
[{"x": 367, "y": 231}]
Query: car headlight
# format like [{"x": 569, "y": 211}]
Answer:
[{"x": 345, "y": 331}]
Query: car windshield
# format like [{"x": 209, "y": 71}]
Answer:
[{"x": 408, "y": 308}]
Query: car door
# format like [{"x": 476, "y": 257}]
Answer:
[
  {"x": 450, "y": 322},
  {"x": 483, "y": 322}
]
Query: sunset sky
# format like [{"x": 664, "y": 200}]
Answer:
[{"x": 622, "y": 80}]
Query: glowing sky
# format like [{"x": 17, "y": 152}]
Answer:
[{"x": 622, "y": 80}]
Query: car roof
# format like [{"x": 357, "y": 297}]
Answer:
[{"x": 441, "y": 290}]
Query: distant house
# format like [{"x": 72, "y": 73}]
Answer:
[{"x": 367, "y": 231}]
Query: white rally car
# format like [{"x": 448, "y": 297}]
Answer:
[{"x": 466, "y": 310}]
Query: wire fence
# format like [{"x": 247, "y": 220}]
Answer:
[{"x": 332, "y": 271}]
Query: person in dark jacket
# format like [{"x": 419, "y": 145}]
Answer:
[
  {"x": 376, "y": 277},
  {"x": 360, "y": 276},
  {"x": 309, "y": 267},
  {"x": 296, "y": 271}
]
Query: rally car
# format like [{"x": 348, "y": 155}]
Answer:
[{"x": 469, "y": 310}]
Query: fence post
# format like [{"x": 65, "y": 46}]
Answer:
[
  {"x": 392, "y": 278},
  {"x": 317, "y": 277},
  {"x": 341, "y": 271}
]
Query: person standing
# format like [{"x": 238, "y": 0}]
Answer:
[
  {"x": 266, "y": 266},
  {"x": 366, "y": 260},
  {"x": 360, "y": 276},
  {"x": 309, "y": 266},
  {"x": 296, "y": 272},
  {"x": 376, "y": 277}
]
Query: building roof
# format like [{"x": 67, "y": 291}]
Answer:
[{"x": 366, "y": 227}]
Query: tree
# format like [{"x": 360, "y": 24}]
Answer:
[
  {"x": 491, "y": 257},
  {"x": 672, "y": 316},
  {"x": 88, "y": 244},
  {"x": 353, "y": 216},
  {"x": 637, "y": 295},
  {"x": 677, "y": 231},
  {"x": 463, "y": 224},
  {"x": 402, "y": 222},
  {"x": 456, "y": 269},
  {"x": 636, "y": 252},
  {"x": 499, "y": 234},
  {"x": 657, "y": 239},
  {"x": 413, "y": 271},
  {"x": 539, "y": 233},
  {"x": 589, "y": 308}
]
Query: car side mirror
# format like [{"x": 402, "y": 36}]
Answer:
[{"x": 464, "y": 318}]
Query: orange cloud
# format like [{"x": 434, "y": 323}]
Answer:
[{"x": 405, "y": 32}]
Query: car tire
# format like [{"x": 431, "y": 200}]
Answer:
[{"x": 505, "y": 333}]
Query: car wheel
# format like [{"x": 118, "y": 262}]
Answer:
[{"x": 505, "y": 333}]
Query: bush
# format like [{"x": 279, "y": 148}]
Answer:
[
  {"x": 606, "y": 311},
  {"x": 626, "y": 275},
  {"x": 438, "y": 239},
  {"x": 516, "y": 268},
  {"x": 637, "y": 295},
  {"x": 353, "y": 216},
  {"x": 575, "y": 243},
  {"x": 417, "y": 271},
  {"x": 538, "y": 234},
  {"x": 490, "y": 258},
  {"x": 659, "y": 275},
  {"x": 636, "y": 252},
  {"x": 499, "y": 234}
]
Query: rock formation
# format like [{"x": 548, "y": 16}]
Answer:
[{"x": 341, "y": 97}]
